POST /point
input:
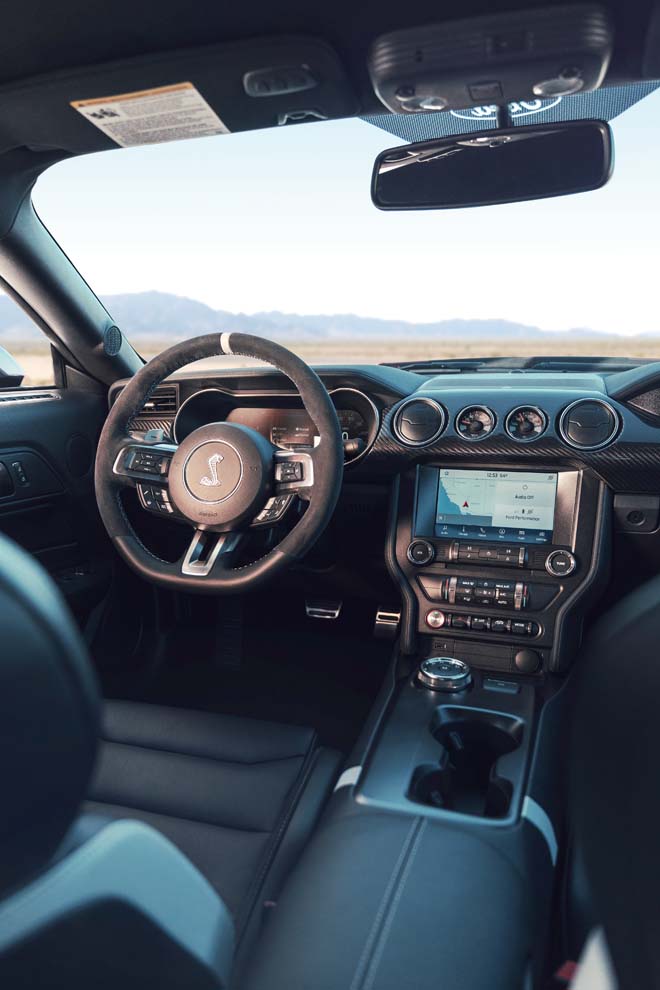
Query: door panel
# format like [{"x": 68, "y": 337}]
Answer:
[{"x": 47, "y": 502}]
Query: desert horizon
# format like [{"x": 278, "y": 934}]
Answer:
[{"x": 34, "y": 356}]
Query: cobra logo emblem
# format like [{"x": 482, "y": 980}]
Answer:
[{"x": 211, "y": 480}]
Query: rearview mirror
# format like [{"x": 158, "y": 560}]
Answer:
[{"x": 483, "y": 168}]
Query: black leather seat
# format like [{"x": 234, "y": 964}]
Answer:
[
  {"x": 614, "y": 875},
  {"x": 237, "y": 796},
  {"x": 86, "y": 900}
]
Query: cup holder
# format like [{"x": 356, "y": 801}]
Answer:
[{"x": 465, "y": 778}]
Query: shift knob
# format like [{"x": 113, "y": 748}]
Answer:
[{"x": 444, "y": 674}]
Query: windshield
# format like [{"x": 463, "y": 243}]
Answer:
[{"x": 273, "y": 232}]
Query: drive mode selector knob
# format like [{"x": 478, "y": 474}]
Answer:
[
  {"x": 421, "y": 552},
  {"x": 560, "y": 563},
  {"x": 444, "y": 674}
]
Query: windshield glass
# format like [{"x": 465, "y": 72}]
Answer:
[{"x": 273, "y": 232}]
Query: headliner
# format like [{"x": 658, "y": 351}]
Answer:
[
  {"x": 52, "y": 53},
  {"x": 40, "y": 37}
]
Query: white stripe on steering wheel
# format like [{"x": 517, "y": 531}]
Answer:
[{"x": 225, "y": 343}]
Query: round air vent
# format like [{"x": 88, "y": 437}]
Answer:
[
  {"x": 419, "y": 421},
  {"x": 589, "y": 424}
]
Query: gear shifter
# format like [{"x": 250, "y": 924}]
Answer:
[{"x": 444, "y": 674}]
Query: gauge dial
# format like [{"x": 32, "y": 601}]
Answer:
[
  {"x": 359, "y": 420},
  {"x": 353, "y": 425},
  {"x": 526, "y": 423},
  {"x": 475, "y": 422}
]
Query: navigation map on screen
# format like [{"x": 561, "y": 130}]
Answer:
[{"x": 507, "y": 506}]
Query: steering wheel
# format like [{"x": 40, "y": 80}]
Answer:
[{"x": 223, "y": 479}]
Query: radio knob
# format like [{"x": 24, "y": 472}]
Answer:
[
  {"x": 421, "y": 552},
  {"x": 560, "y": 563}
]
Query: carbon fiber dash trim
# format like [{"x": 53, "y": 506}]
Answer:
[{"x": 631, "y": 467}]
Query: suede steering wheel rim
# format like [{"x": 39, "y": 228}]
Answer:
[{"x": 221, "y": 477}]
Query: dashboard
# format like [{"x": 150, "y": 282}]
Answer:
[
  {"x": 505, "y": 490},
  {"x": 391, "y": 418}
]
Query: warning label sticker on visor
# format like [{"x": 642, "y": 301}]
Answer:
[{"x": 152, "y": 116}]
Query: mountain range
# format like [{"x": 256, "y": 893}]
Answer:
[{"x": 165, "y": 316}]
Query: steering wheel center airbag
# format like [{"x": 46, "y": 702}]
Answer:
[{"x": 221, "y": 475}]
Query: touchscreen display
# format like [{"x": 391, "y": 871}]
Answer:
[{"x": 511, "y": 506}]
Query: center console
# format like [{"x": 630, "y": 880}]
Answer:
[
  {"x": 496, "y": 563},
  {"x": 434, "y": 864},
  {"x": 434, "y": 861}
]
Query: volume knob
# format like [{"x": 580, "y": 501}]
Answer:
[{"x": 421, "y": 552}]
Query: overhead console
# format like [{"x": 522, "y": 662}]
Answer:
[
  {"x": 497, "y": 58},
  {"x": 495, "y": 560}
]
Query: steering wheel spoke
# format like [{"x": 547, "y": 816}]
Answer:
[{"x": 210, "y": 552}]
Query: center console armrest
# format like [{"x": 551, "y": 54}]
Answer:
[{"x": 389, "y": 901}]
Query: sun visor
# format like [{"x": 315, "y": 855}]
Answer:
[{"x": 218, "y": 89}]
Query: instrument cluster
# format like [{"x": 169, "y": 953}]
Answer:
[{"x": 285, "y": 425}]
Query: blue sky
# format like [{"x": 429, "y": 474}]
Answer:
[{"x": 282, "y": 219}]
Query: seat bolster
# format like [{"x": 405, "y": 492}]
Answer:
[
  {"x": 130, "y": 865},
  {"x": 203, "y": 734},
  {"x": 314, "y": 791}
]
